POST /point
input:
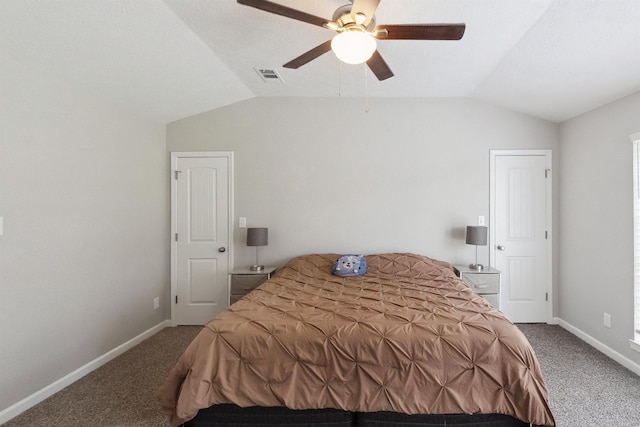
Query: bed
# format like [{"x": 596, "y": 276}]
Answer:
[{"x": 406, "y": 344}]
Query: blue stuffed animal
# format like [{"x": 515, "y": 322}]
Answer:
[{"x": 350, "y": 265}]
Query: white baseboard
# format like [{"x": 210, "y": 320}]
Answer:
[
  {"x": 603, "y": 348},
  {"x": 37, "y": 397}
]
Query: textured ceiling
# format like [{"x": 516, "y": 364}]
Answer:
[{"x": 169, "y": 59}]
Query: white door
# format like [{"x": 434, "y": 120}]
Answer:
[
  {"x": 201, "y": 226},
  {"x": 521, "y": 233}
]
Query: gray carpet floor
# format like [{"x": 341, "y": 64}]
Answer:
[{"x": 586, "y": 388}]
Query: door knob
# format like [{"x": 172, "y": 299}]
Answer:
[
  {"x": 222, "y": 249},
  {"x": 500, "y": 248}
]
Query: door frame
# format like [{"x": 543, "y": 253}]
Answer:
[
  {"x": 547, "y": 153},
  {"x": 175, "y": 156}
]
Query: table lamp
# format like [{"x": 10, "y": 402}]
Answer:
[
  {"x": 257, "y": 237},
  {"x": 476, "y": 235}
]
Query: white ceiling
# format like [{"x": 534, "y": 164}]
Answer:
[{"x": 169, "y": 59}]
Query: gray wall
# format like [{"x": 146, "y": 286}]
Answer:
[
  {"x": 83, "y": 193},
  {"x": 326, "y": 176},
  {"x": 596, "y": 222}
]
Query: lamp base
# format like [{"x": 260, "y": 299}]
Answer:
[
  {"x": 256, "y": 267},
  {"x": 476, "y": 267}
]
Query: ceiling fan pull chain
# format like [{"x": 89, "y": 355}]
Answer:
[
  {"x": 366, "y": 89},
  {"x": 340, "y": 80}
]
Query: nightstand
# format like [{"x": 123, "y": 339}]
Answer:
[
  {"x": 243, "y": 280},
  {"x": 485, "y": 282}
]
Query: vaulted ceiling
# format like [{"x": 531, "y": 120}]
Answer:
[{"x": 169, "y": 59}]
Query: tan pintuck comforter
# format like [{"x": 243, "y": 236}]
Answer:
[{"x": 407, "y": 337}]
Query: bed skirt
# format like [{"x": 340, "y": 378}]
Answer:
[{"x": 235, "y": 416}]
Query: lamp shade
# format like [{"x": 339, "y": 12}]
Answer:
[
  {"x": 257, "y": 236},
  {"x": 353, "y": 47},
  {"x": 476, "y": 235}
]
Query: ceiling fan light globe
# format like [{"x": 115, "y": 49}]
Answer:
[{"x": 353, "y": 47}]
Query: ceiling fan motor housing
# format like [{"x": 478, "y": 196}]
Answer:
[{"x": 342, "y": 17}]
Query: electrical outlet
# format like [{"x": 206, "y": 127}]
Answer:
[
  {"x": 156, "y": 303},
  {"x": 607, "y": 320}
]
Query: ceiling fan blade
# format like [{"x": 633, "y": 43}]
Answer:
[
  {"x": 309, "y": 55},
  {"x": 379, "y": 67},
  {"x": 284, "y": 11},
  {"x": 421, "y": 32},
  {"x": 365, "y": 7}
]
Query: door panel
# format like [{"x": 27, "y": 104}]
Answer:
[
  {"x": 521, "y": 249},
  {"x": 202, "y": 273},
  {"x": 521, "y": 273},
  {"x": 202, "y": 225},
  {"x": 202, "y": 197}
]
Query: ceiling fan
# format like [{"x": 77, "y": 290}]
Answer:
[{"x": 357, "y": 31}]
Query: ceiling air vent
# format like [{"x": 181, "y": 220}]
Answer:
[{"x": 269, "y": 75}]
